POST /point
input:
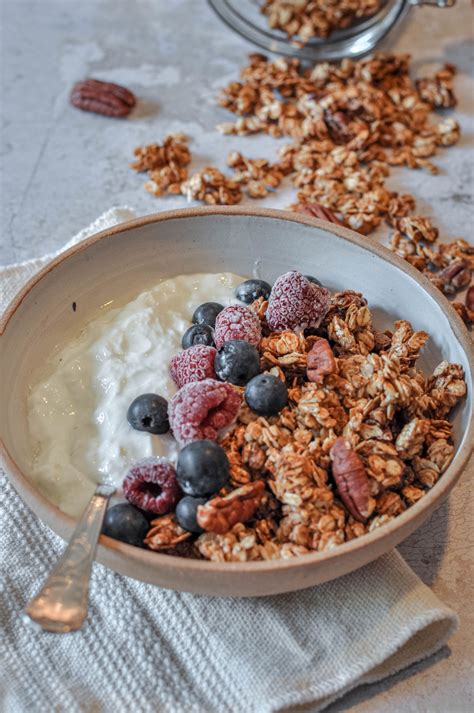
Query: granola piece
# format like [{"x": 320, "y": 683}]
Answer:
[
  {"x": 466, "y": 314},
  {"x": 286, "y": 350},
  {"x": 313, "y": 526},
  {"x": 258, "y": 176},
  {"x": 417, "y": 228},
  {"x": 237, "y": 545},
  {"x": 174, "y": 152},
  {"x": 390, "y": 503},
  {"x": 320, "y": 410},
  {"x": 165, "y": 163},
  {"x": 165, "y": 533},
  {"x": 412, "y": 494},
  {"x": 406, "y": 344},
  {"x": 297, "y": 479},
  {"x": 438, "y": 90},
  {"x": 411, "y": 439},
  {"x": 384, "y": 466},
  {"x": 427, "y": 472},
  {"x": 445, "y": 388},
  {"x": 354, "y": 333},
  {"x": 441, "y": 453},
  {"x": 211, "y": 186}
]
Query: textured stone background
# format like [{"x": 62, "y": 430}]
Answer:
[{"x": 61, "y": 168}]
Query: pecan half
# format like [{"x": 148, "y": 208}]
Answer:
[
  {"x": 315, "y": 210},
  {"x": 351, "y": 479},
  {"x": 102, "y": 98},
  {"x": 220, "y": 514},
  {"x": 470, "y": 298},
  {"x": 320, "y": 361}
]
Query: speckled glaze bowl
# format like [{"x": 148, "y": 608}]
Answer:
[{"x": 120, "y": 262}]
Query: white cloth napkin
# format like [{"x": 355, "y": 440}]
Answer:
[{"x": 149, "y": 649}]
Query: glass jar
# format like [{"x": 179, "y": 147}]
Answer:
[{"x": 244, "y": 17}]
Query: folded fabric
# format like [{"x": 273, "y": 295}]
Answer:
[{"x": 149, "y": 649}]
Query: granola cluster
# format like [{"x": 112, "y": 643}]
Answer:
[
  {"x": 316, "y": 18},
  {"x": 165, "y": 164},
  {"x": 364, "y": 436}
]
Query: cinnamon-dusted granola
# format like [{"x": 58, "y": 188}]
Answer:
[
  {"x": 349, "y": 123},
  {"x": 316, "y": 18},
  {"x": 257, "y": 175},
  {"x": 165, "y": 533},
  {"x": 212, "y": 187},
  {"x": 165, "y": 163}
]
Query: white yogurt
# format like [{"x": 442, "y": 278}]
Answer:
[{"x": 77, "y": 411}]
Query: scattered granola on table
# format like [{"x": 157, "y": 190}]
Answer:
[
  {"x": 349, "y": 123},
  {"x": 165, "y": 164},
  {"x": 321, "y": 428}
]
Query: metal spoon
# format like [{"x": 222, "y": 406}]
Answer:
[{"x": 61, "y": 604}]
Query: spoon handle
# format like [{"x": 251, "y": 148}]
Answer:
[{"x": 61, "y": 604}]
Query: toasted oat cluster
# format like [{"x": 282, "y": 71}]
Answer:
[
  {"x": 365, "y": 434},
  {"x": 316, "y": 18},
  {"x": 165, "y": 164}
]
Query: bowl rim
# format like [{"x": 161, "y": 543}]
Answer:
[{"x": 151, "y": 558}]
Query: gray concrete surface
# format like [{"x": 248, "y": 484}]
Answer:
[{"x": 60, "y": 168}]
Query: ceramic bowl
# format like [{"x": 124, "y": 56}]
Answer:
[{"x": 120, "y": 262}]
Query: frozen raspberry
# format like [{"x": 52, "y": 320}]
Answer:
[
  {"x": 237, "y": 322},
  {"x": 151, "y": 485},
  {"x": 201, "y": 409},
  {"x": 193, "y": 364},
  {"x": 296, "y": 303}
]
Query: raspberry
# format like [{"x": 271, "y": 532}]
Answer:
[
  {"x": 198, "y": 410},
  {"x": 151, "y": 485},
  {"x": 237, "y": 322},
  {"x": 296, "y": 303},
  {"x": 193, "y": 364}
]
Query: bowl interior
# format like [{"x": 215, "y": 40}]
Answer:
[{"x": 113, "y": 269}]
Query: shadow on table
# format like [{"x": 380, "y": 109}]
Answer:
[
  {"x": 424, "y": 549},
  {"x": 368, "y": 691}
]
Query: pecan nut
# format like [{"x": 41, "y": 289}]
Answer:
[
  {"x": 220, "y": 514},
  {"x": 351, "y": 479},
  {"x": 320, "y": 361},
  {"x": 470, "y": 298},
  {"x": 315, "y": 210},
  {"x": 102, "y": 98}
]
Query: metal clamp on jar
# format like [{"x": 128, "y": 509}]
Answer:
[{"x": 361, "y": 37}]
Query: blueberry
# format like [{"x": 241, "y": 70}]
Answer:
[
  {"x": 266, "y": 394},
  {"x": 186, "y": 511},
  {"x": 251, "y": 290},
  {"x": 207, "y": 313},
  {"x": 149, "y": 412},
  {"x": 202, "y": 468},
  {"x": 314, "y": 280},
  {"x": 237, "y": 362},
  {"x": 125, "y": 523},
  {"x": 198, "y": 334}
]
